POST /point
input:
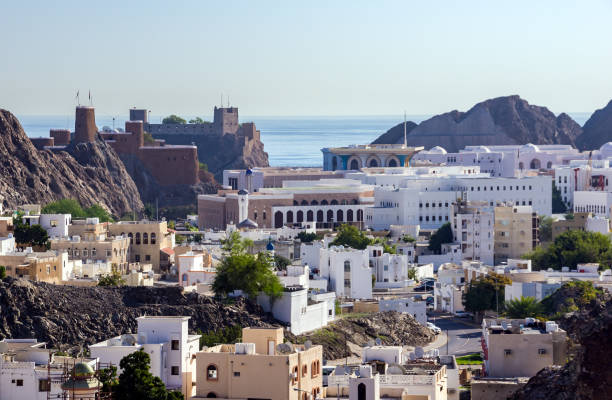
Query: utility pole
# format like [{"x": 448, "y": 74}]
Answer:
[{"x": 447, "y": 342}]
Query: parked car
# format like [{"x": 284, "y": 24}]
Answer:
[
  {"x": 425, "y": 287},
  {"x": 434, "y": 328},
  {"x": 463, "y": 314},
  {"x": 429, "y": 300}
]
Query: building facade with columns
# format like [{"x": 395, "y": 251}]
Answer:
[
  {"x": 324, "y": 204},
  {"x": 355, "y": 157}
]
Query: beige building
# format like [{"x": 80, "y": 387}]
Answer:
[
  {"x": 262, "y": 367},
  {"x": 521, "y": 347},
  {"x": 516, "y": 231},
  {"x": 577, "y": 223},
  {"x": 495, "y": 388},
  {"x": 36, "y": 266},
  {"x": 113, "y": 250},
  {"x": 148, "y": 240}
]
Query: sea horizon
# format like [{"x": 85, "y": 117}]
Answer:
[{"x": 288, "y": 140}]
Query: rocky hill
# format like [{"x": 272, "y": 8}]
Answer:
[
  {"x": 69, "y": 316},
  {"x": 597, "y": 130},
  {"x": 345, "y": 337},
  {"x": 91, "y": 173},
  {"x": 498, "y": 121},
  {"x": 587, "y": 375},
  {"x": 395, "y": 134}
]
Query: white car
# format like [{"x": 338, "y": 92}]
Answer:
[{"x": 434, "y": 328}]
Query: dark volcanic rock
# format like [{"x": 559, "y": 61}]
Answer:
[
  {"x": 91, "y": 173},
  {"x": 69, "y": 316},
  {"x": 597, "y": 130},
  {"x": 503, "y": 120},
  {"x": 588, "y": 374},
  {"x": 395, "y": 134}
]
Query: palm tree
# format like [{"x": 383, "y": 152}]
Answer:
[{"x": 523, "y": 307}]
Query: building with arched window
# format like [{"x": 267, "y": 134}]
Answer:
[
  {"x": 356, "y": 157},
  {"x": 261, "y": 367}
]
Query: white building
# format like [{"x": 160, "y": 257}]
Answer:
[
  {"x": 167, "y": 341},
  {"x": 450, "y": 253},
  {"x": 474, "y": 229},
  {"x": 448, "y": 289},
  {"x": 56, "y": 225},
  {"x": 28, "y": 371},
  {"x": 537, "y": 290},
  {"x": 595, "y": 202},
  {"x": 7, "y": 244},
  {"x": 346, "y": 270},
  {"x": 424, "y": 195},
  {"x": 191, "y": 270},
  {"x": 418, "y": 309},
  {"x": 391, "y": 270}
]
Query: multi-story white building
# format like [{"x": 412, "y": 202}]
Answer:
[
  {"x": 346, "y": 270},
  {"x": 596, "y": 202},
  {"x": 424, "y": 195},
  {"x": 7, "y": 244},
  {"x": 418, "y": 309},
  {"x": 28, "y": 370},
  {"x": 193, "y": 270},
  {"x": 167, "y": 341},
  {"x": 473, "y": 228}
]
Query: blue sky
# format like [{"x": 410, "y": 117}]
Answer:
[{"x": 303, "y": 58}]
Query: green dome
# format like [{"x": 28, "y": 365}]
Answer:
[{"x": 83, "y": 370}]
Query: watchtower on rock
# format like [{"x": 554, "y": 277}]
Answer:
[
  {"x": 85, "y": 129},
  {"x": 226, "y": 120}
]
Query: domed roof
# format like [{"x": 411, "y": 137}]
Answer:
[
  {"x": 270, "y": 246},
  {"x": 248, "y": 224},
  {"x": 437, "y": 150},
  {"x": 481, "y": 149},
  {"x": 82, "y": 370},
  {"x": 529, "y": 148},
  {"x": 606, "y": 148},
  {"x": 243, "y": 192}
]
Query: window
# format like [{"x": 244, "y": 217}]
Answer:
[
  {"x": 93, "y": 252},
  {"x": 347, "y": 266},
  {"x": 264, "y": 215},
  {"x": 304, "y": 370},
  {"x": 148, "y": 257},
  {"x": 294, "y": 375},
  {"x": 145, "y": 238},
  {"x": 44, "y": 385},
  {"x": 541, "y": 351},
  {"x": 137, "y": 258},
  {"x": 175, "y": 345},
  {"x": 175, "y": 370},
  {"x": 19, "y": 382},
  {"x": 211, "y": 373},
  {"x": 85, "y": 253},
  {"x": 54, "y": 223},
  {"x": 236, "y": 374},
  {"x": 347, "y": 283},
  {"x": 137, "y": 237}
]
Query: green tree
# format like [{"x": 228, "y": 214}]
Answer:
[
  {"x": 485, "y": 293},
  {"x": 114, "y": 279},
  {"x": 306, "y": 237},
  {"x": 571, "y": 248},
  {"x": 137, "y": 382},
  {"x": 558, "y": 205},
  {"x": 65, "y": 206},
  {"x": 523, "y": 308},
  {"x": 203, "y": 166},
  {"x": 228, "y": 334},
  {"x": 281, "y": 262},
  {"x": 34, "y": 235},
  {"x": 412, "y": 272},
  {"x": 408, "y": 239},
  {"x": 173, "y": 119},
  {"x": 351, "y": 236},
  {"x": 198, "y": 120},
  {"x": 545, "y": 228},
  {"x": 96, "y": 211},
  {"x": 239, "y": 270},
  {"x": 373, "y": 280},
  {"x": 108, "y": 378},
  {"x": 148, "y": 138},
  {"x": 571, "y": 296},
  {"x": 2, "y": 272},
  {"x": 443, "y": 235}
]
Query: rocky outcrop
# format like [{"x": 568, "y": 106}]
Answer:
[
  {"x": 345, "y": 337},
  {"x": 499, "y": 121},
  {"x": 587, "y": 375},
  {"x": 221, "y": 152},
  {"x": 91, "y": 173},
  {"x": 395, "y": 134},
  {"x": 68, "y": 317},
  {"x": 597, "y": 130}
]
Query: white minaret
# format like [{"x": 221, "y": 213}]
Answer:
[{"x": 243, "y": 205}]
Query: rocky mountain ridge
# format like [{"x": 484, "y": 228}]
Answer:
[
  {"x": 498, "y": 121},
  {"x": 91, "y": 173},
  {"x": 597, "y": 130}
]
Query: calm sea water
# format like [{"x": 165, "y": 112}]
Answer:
[{"x": 289, "y": 141}]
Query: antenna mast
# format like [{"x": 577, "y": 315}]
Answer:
[{"x": 405, "y": 139}]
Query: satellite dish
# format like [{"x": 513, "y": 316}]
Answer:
[
  {"x": 370, "y": 343},
  {"x": 378, "y": 341},
  {"x": 307, "y": 344}
]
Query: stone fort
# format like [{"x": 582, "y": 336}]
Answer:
[{"x": 168, "y": 164}]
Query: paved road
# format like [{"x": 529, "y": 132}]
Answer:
[{"x": 462, "y": 338}]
